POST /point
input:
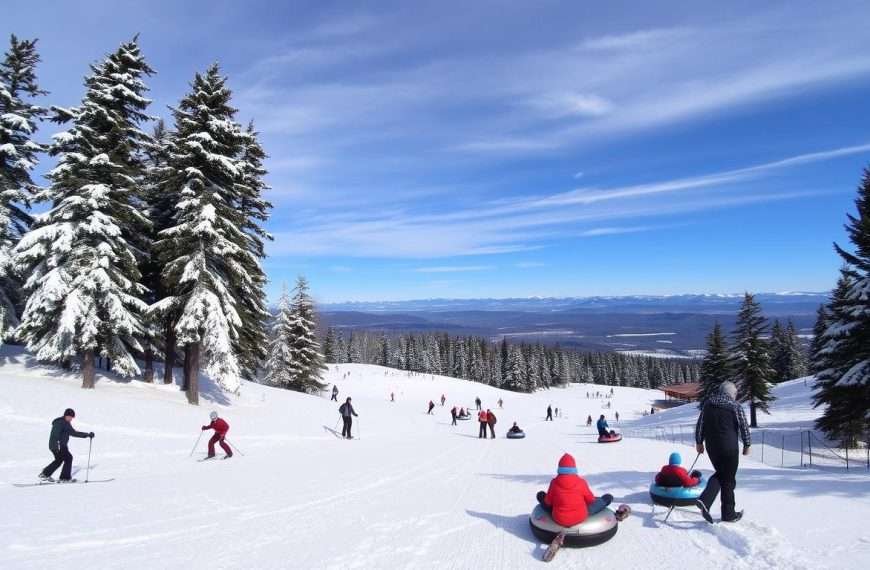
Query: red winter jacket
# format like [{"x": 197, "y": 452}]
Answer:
[
  {"x": 219, "y": 426},
  {"x": 672, "y": 473},
  {"x": 483, "y": 417},
  {"x": 569, "y": 495}
]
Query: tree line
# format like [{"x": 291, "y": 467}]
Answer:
[
  {"x": 151, "y": 242},
  {"x": 520, "y": 367}
]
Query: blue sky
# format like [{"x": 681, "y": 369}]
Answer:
[{"x": 456, "y": 149}]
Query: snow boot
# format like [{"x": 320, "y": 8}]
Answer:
[
  {"x": 705, "y": 512},
  {"x": 737, "y": 516},
  {"x": 67, "y": 480},
  {"x": 47, "y": 478}
]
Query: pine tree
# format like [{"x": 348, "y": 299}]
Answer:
[
  {"x": 306, "y": 358},
  {"x": 779, "y": 352},
  {"x": 280, "y": 359},
  {"x": 250, "y": 293},
  {"x": 749, "y": 359},
  {"x": 330, "y": 346},
  {"x": 205, "y": 255},
  {"x": 844, "y": 381},
  {"x": 714, "y": 367},
  {"x": 18, "y": 157},
  {"x": 85, "y": 296},
  {"x": 796, "y": 360}
]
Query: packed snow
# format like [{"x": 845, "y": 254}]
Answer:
[{"x": 411, "y": 492}]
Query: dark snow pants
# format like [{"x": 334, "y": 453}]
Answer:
[
  {"x": 347, "y": 423},
  {"x": 61, "y": 455},
  {"x": 492, "y": 430},
  {"x": 217, "y": 438},
  {"x": 482, "y": 432},
  {"x": 454, "y": 420},
  {"x": 724, "y": 479}
]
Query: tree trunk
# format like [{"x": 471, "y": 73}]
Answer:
[
  {"x": 191, "y": 372},
  {"x": 88, "y": 370},
  {"x": 148, "y": 375},
  {"x": 169, "y": 353},
  {"x": 753, "y": 422},
  {"x": 185, "y": 380}
]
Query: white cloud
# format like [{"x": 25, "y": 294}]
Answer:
[{"x": 454, "y": 268}]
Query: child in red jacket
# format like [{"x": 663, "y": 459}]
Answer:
[
  {"x": 674, "y": 475},
  {"x": 569, "y": 499},
  {"x": 220, "y": 428}
]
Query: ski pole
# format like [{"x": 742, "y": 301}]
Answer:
[
  {"x": 338, "y": 421},
  {"x": 88, "y": 471},
  {"x": 234, "y": 447},
  {"x": 196, "y": 444},
  {"x": 358, "y": 428}
]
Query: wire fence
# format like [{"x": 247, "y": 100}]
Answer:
[{"x": 785, "y": 448}]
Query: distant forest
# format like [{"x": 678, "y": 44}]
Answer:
[{"x": 520, "y": 367}]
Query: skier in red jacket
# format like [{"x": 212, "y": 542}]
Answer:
[
  {"x": 675, "y": 475},
  {"x": 220, "y": 428},
  {"x": 569, "y": 499}
]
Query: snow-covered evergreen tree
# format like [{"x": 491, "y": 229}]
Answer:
[
  {"x": 280, "y": 359},
  {"x": 714, "y": 367},
  {"x": 80, "y": 258},
  {"x": 18, "y": 157},
  {"x": 330, "y": 346},
  {"x": 306, "y": 359},
  {"x": 205, "y": 254},
  {"x": 844, "y": 381},
  {"x": 749, "y": 359},
  {"x": 818, "y": 342}
]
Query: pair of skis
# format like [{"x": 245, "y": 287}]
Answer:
[
  {"x": 621, "y": 514},
  {"x": 46, "y": 483}
]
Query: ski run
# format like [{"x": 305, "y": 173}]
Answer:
[{"x": 410, "y": 491}]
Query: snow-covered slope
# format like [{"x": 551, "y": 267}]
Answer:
[{"x": 412, "y": 492}]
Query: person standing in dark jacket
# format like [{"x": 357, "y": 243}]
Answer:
[
  {"x": 549, "y": 414},
  {"x": 490, "y": 421},
  {"x": 347, "y": 412},
  {"x": 58, "y": 444},
  {"x": 453, "y": 415},
  {"x": 720, "y": 425}
]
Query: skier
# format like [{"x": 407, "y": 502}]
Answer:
[
  {"x": 675, "y": 475},
  {"x": 431, "y": 407},
  {"x": 720, "y": 424},
  {"x": 557, "y": 412},
  {"x": 477, "y": 402},
  {"x": 652, "y": 411},
  {"x": 515, "y": 429},
  {"x": 453, "y": 414},
  {"x": 569, "y": 499},
  {"x": 602, "y": 426},
  {"x": 443, "y": 399},
  {"x": 58, "y": 444},
  {"x": 334, "y": 393},
  {"x": 549, "y": 414},
  {"x": 588, "y": 421},
  {"x": 500, "y": 403},
  {"x": 220, "y": 427},
  {"x": 347, "y": 412},
  {"x": 617, "y": 416},
  {"x": 483, "y": 418},
  {"x": 490, "y": 421},
  {"x": 392, "y": 397}
]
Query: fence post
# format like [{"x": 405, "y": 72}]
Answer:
[
  {"x": 782, "y": 461},
  {"x": 810, "y": 445},
  {"x": 847, "y": 457},
  {"x": 802, "y": 449},
  {"x": 762, "y": 445}
]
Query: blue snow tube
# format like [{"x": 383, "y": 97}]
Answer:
[
  {"x": 517, "y": 435},
  {"x": 595, "y": 530},
  {"x": 676, "y": 496}
]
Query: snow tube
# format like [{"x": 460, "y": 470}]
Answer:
[
  {"x": 610, "y": 438},
  {"x": 463, "y": 418},
  {"x": 519, "y": 435},
  {"x": 676, "y": 496},
  {"x": 595, "y": 530}
]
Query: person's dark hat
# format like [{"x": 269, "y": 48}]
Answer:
[{"x": 70, "y": 412}]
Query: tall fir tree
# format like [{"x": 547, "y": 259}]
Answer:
[
  {"x": 749, "y": 359},
  {"x": 844, "y": 382},
  {"x": 205, "y": 253},
  {"x": 714, "y": 367},
  {"x": 18, "y": 157},
  {"x": 818, "y": 342},
  {"x": 307, "y": 367},
  {"x": 80, "y": 258},
  {"x": 280, "y": 358},
  {"x": 330, "y": 346}
]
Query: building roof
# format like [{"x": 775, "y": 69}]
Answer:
[{"x": 689, "y": 391}]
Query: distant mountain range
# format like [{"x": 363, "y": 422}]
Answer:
[{"x": 673, "y": 325}]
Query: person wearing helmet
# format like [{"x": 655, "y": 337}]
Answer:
[
  {"x": 61, "y": 431},
  {"x": 220, "y": 427},
  {"x": 347, "y": 412},
  {"x": 569, "y": 499},
  {"x": 675, "y": 475}
]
